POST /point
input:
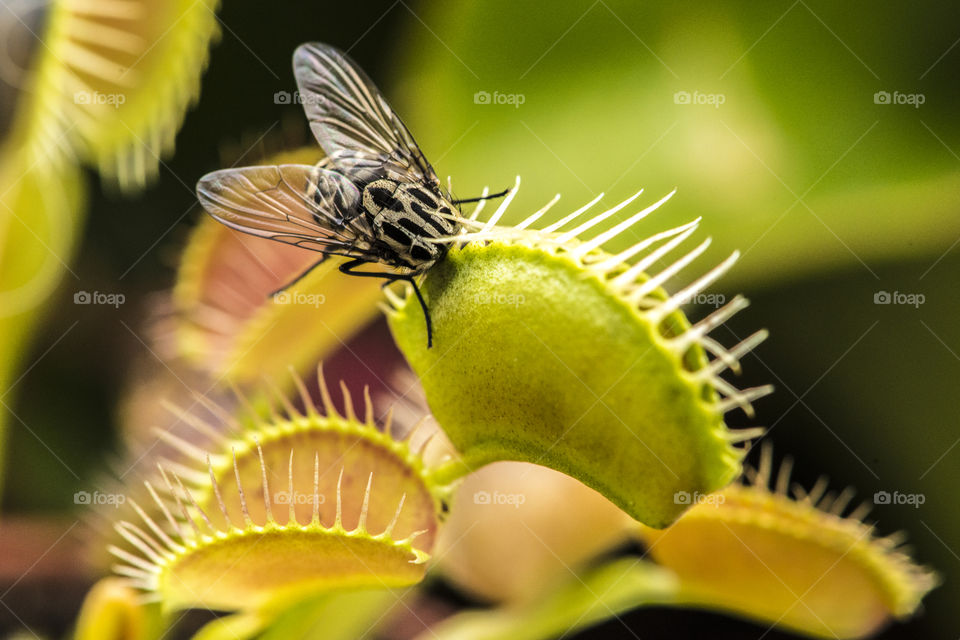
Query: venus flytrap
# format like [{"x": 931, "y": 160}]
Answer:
[
  {"x": 779, "y": 556},
  {"x": 112, "y": 82},
  {"x": 801, "y": 559},
  {"x": 591, "y": 369},
  {"x": 112, "y": 611},
  {"x": 258, "y": 516}
]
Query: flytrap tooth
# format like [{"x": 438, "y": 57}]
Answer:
[
  {"x": 385, "y": 307},
  {"x": 338, "y": 520},
  {"x": 816, "y": 493},
  {"x": 116, "y": 9},
  {"x": 348, "y": 410},
  {"x": 126, "y": 530},
  {"x": 87, "y": 61},
  {"x": 495, "y": 218},
  {"x": 408, "y": 439},
  {"x": 218, "y": 495},
  {"x": 661, "y": 311},
  {"x": 728, "y": 359},
  {"x": 316, "y": 489},
  {"x": 191, "y": 420},
  {"x": 367, "y": 407},
  {"x": 291, "y": 412},
  {"x": 247, "y": 520},
  {"x": 782, "y": 486},
  {"x": 614, "y": 261},
  {"x": 174, "y": 523},
  {"x": 266, "y": 487},
  {"x": 644, "y": 289},
  {"x": 422, "y": 447},
  {"x": 695, "y": 334},
  {"x": 291, "y": 508},
  {"x": 183, "y": 446},
  {"x": 388, "y": 423},
  {"x": 100, "y": 34},
  {"x": 861, "y": 512},
  {"x": 567, "y": 236},
  {"x": 192, "y": 475},
  {"x": 226, "y": 417},
  {"x": 627, "y": 279},
  {"x": 413, "y": 536},
  {"x": 155, "y": 528},
  {"x": 362, "y": 520},
  {"x": 242, "y": 400},
  {"x": 765, "y": 468},
  {"x": 744, "y": 435},
  {"x": 195, "y": 505},
  {"x": 722, "y": 361},
  {"x": 841, "y": 502},
  {"x": 420, "y": 557},
  {"x": 895, "y": 539},
  {"x": 140, "y": 576},
  {"x": 608, "y": 235},
  {"x": 388, "y": 531},
  {"x": 395, "y": 301},
  {"x": 559, "y": 224},
  {"x": 536, "y": 216},
  {"x": 737, "y": 398},
  {"x": 597, "y": 219},
  {"x": 328, "y": 408},
  {"x": 128, "y": 557},
  {"x": 269, "y": 402},
  {"x": 304, "y": 394}
]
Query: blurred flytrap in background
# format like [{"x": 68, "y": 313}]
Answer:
[{"x": 817, "y": 140}]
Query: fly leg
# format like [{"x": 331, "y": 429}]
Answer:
[
  {"x": 300, "y": 277},
  {"x": 348, "y": 269},
  {"x": 488, "y": 197}
]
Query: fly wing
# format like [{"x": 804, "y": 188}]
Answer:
[
  {"x": 352, "y": 121},
  {"x": 306, "y": 206}
]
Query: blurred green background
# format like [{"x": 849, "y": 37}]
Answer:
[{"x": 771, "y": 120}]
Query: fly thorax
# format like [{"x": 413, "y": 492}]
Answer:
[{"x": 406, "y": 218}]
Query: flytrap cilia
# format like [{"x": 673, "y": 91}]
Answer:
[{"x": 374, "y": 198}]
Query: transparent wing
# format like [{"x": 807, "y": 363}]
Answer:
[
  {"x": 302, "y": 205},
  {"x": 352, "y": 121}
]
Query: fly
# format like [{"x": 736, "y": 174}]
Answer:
[{"x": 374, "y": 198}]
